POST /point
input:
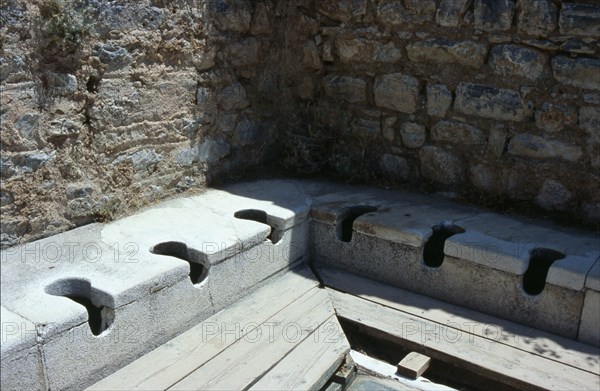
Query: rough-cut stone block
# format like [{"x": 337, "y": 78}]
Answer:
[
  {"x": 443, "y": 51},
  {"x": 115, "y": 57},
  {"x": 494, "y": 15},
  {"x": 244, "y": 53},
  {"x": 589, "y": 332},
  {"x": 489, "y": 178},
  {"x": 233, "y": 97},
  {"x": 211, "y": 151},
  {"x": 553, "y": 118},
  {"x": 513, "y": 60},
  {"x": 232, "y": 15},
  {"x": 392, "y": 13},
  {"x": 342, "y": 10},
  {"x": 310, "y": 55},
  {"x": 441, "y": 166},
  {"x": 352, "y": 50},
  {"x": 456, "y": 132},
  {"x": 350, "y": 89},
  {"x": 397, "y": 92},
  {"x": 451, "y": 12},
  {"x": 227, "y": 284},
  {"x": 21, "y": 359},
  {"x": 413, "y": 134},
  {"x": 592, "y": 280},
  {"x": 395, "y": 167},
  {"x": 589, "y": 119},
  {"x": 528, "y": 145},
  {"x": 439, "y": 99},
  {"x": 536, "y": 17},
  {"x": 578, "y": 72},
  {"x": 489, "y": 251},
  {"x": 580, "y": 19},
  {"x": 553, "y": 195},
  {"x": 490, "y": 102}
]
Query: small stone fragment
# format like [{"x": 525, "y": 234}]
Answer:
[{"x": 413, "y": 134}]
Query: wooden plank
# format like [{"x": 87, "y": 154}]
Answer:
[
  {"x": 247, "y": 360},
  {"x": 528, "y": 339},
  {"x": 310, "y": 365},
  {"x": 480, "y": 355},
  {"x": 167, "y": 364},
  {"x": 413, "y": 365}
]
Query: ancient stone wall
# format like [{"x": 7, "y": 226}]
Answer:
[
  {"x": 107, "y": 106},
  {"x": 493, "y": 97}
]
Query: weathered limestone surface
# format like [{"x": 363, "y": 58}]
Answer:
[
  {"x": 580, "y": 72},
  {"x": 147, "y": 298},
  {"x": 140, "y": 101},
  {"x": 490, "y": 102},
  {"x": 443, "y": 51},
  {"x": 517, "y": 61},
  {"x": 397, "y": 92}
]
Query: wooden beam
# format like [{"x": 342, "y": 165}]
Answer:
[
  {"x": 455, "y": 319},
  {"x": 480, "y": 355}
]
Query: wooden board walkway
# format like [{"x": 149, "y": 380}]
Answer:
[
  {"x": 283, "y": 336},
  {"x": 516, "y": 355}
]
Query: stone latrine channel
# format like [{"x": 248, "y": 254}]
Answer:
[
  {"x": 109, "y": 107},
  {"x": 195, "y": 256}
]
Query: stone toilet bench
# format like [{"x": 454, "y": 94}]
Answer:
[{"x": 79, "y": 305}]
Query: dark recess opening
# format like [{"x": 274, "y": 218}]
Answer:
[
  {"x": 433, "y": 253},
  {"x": 92, "y": 84},
  {"x": 540, "y": 260},
  {"x": 346, "y": 220},
  {"x": 80, "y": 291},
  {"x": 260, "y": 216},
  {"x": 94, "y": 313},
  {"x": 198, "y": 270}
]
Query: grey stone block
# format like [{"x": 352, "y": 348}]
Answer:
[
  {"x": 394, "y": 166},
  {"x": 494, "y": 15},
  {"x": 490, "y": 102},
  {"x": 344, "y": 10},
  {"x": 22, "y": 366},
  {"x": 456, "y": 132},
  {"x": 439, "y": 99},
  {"x": 367, "y": 51},
  {"x": 589, "y": 332},
  {"x": 580, "y": 19},
  {"x": 513, "y": 60},
  {"x": 451, "y": 12},
  {"x": 393, "y": 13},
  {"x": 441, "y": 165},
  {"x": 553, "y": 117},
  {"x": 593, "y": 277},
  {"x": 536, "y": 17},
  {"x": 397, "y": 92},
  {"x": 538, "y": 147},
  {"x": 577, "y": 72},
  {"x": 443, "y": 51}
]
